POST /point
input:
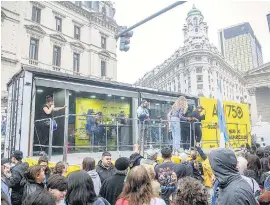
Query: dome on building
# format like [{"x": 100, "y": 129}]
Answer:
[{"x": 194, "y": 11}]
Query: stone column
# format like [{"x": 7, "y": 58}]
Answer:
[{"x": 253, "y": 106}]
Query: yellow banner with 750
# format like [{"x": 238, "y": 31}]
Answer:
[{"x": 237, "y": 120}]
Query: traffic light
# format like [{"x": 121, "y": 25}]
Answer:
[{"x": 125, "y": 40}]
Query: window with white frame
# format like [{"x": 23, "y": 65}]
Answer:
[
  {"x": 76, "y": 62},
  {"x": 57, "y": 56},
  {"x": 36, "y": 14},
  {"x": 58, "y": 24},
  {"x": 33, "y": 49},
  {"x": 103, "y": 68}
]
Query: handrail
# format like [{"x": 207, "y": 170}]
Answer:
[{"x": 150, "y": 132}]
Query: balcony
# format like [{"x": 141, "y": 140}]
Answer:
[{"x": 44, "y": 66}]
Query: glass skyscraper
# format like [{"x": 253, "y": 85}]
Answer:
[{"x": 239, "y": 45}]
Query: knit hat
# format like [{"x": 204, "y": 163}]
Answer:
[
  {"x": 4, "y": 161},
  {"x": 122, "y": 163},
  {"x": 17, "y": 154}
]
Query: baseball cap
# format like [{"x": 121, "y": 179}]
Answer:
[{"x": 17, "y": 154}]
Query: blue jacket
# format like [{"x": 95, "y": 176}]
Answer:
[{"x": 214, "y": 197}]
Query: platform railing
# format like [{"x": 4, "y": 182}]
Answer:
[{"x": 81, "y": 133}]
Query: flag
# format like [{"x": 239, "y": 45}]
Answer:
[{"x": 221, "y": 119}]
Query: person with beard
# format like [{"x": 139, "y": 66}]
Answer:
[
  {"x": 105, "y": 168},
  {"x": 233, "y": 189}
]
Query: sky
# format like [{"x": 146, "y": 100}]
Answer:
[{"x": 155, "y": 41}]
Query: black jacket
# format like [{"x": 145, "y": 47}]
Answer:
[
  {"x": 112, "y": 187},
  {"x": 233, "y": 189},
  {"x": 30, "y": 187},
  {"x": 104, "y": 172},
  {"x": 17, "y": 174}
]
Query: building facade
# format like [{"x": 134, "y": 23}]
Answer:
[
  {"x": 239, "y": 45},
  {"x": 197, "y": 67},
  {"x": 73, "y": 37},
  {"x": 258, "y": 85}
]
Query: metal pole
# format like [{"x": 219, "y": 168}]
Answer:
[
  {"x": 151, "y": 17},
  {"x": 117, "y": 138},
  {"x": 50, "y": 139}
]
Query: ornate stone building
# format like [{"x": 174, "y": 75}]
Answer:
[
  {"x": 73, "y": 37},
  {"x": 197, "y": 67},
  {"x": 259, "y": 91}
]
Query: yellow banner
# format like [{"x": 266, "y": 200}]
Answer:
[
  {"x": 237, "y": 119},
  {"x": 108, "y": 109}
]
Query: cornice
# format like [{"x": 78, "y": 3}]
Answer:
[
  {"x": 38, "y": 4},
  {"x": 58, "y": 39},
  {"x": 35, "y": 31},
  {"x": 58, "y": 14},
  {"x": 77, "y": 47},
  {"x": 9, "y": 60},
  {"x": 91, "y": 16}
]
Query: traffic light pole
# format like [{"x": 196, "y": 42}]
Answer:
[{"x": 150, "y": 17}]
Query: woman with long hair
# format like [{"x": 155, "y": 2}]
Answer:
[
  {"x": 138, "y": 189},
  {"x": 81, "y": 190},
  {"x": 88, "y": 165},
  {"x": 176, "y": 115}
]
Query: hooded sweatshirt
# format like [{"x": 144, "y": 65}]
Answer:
[
  {"x": 96, "y": 180},
  {"x": 233, "y": 189}
]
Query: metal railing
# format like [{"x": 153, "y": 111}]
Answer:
[{"x": 91, "y": 133}]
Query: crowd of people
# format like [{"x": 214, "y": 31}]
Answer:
[{"x": 223, "y": 177}]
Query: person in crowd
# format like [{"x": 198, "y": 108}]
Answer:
[
  {"x": 151, "y": 157},
  {"x": 105, "y": 167},
  {"x": 43, "y": 127},
  {"x": 264, "y": 198},
  {"x": 154, "y": 183},
  {"x": 176, "y": 114},
  {"x": 88, "y": 165},
  {"x": 34, "y": 177},
  {"x": 60, "y": 168},
  {"x": 17, "y": 175},
  {"x": 191, "y": 191},
  {"x": 196, "y": 165},
  {"x": 138, "y": 189},
  {"x": 165, "y": 175},
  {"x": 136, "y": 159},
  {"x": 113, "y": 186},
  {"x": 188, "y": 166},
  {"x": 5, "y": 199},
  {"x": 81, "y": 190},
  {"x": 39, "y": 198},
  {"x": 44, "y": 162},
  {"x": 233, "y": 189},
  {"x": 57, "y": 186},
  {"x": 263, "y": 155},
  {"x": 5, "y": 175},
  {"x": 242, "y": 167},
  {"x": 253, "y": 167},
  {"x": 265, "y": 175}
]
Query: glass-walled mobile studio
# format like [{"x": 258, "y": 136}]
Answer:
[{"x": 112, "y": 104}]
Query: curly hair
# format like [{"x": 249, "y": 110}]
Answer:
[
  {"x": 137, "y": 189},
  {"x": 191, "y": 192}
]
